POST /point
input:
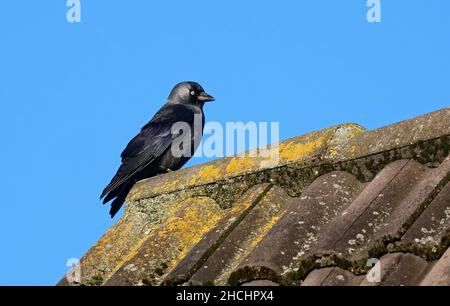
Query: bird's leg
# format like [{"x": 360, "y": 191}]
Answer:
[{"x": 169, "y": 170}]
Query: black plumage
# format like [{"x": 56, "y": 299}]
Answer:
[{"x": 149, "y": 152}]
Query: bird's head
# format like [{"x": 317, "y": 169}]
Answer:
[{"x": 189, "y": 93}]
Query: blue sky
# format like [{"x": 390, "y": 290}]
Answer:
[{"x": 72, "y": 95}]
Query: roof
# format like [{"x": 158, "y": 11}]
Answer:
[{"x": 341, "y": 200}]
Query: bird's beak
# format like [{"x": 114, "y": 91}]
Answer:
[{"x": 204, "y": 97}]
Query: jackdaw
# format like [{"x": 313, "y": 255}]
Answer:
[{"x": 150, "y": 152}]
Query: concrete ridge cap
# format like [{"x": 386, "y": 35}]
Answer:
[
  {"x": 339, "y": 143},
  {"x": 397, "y": 135},
  {"x": 308, "y": 148}
]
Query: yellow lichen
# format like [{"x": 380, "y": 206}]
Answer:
[
  {"x": 185, "y": 228},
  {"x": 293, "y": 150},
  {"x": 169, "y": 185},
  {"x": 109, "y": 250},
  {"x": 245, "y": 202},
  {"x": 123, "y": 241},
  {"x": 239, "y": 164},
  {"x": 205, "y": 174},
  {"x": 264, "y": 230}
]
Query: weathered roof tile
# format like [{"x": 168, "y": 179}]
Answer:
[
  {"x": 427, "y": 234},
  {"x": 440, "y": 273},
  {"x": 297, "y": 231},
  {"x": 332, "y": 276},
  {"x": 211, "y": 240},
  {"x": 168, "y": 243},
  {"x": 373, "y": 216},
  {"x": 244, "y": 238},
  {"x": 399, "y": 269}
]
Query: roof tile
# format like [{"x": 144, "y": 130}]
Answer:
[
  {"x": 332, "y": 276},
  {"x": 211, "y": 240},
  {"x": 165, "y": 245},
  {"x": 440, "y": 273},
  {"x": 244, "y": 238},
  {"x": 400, "y": 269},
  {"x": 296, "y": 232}
]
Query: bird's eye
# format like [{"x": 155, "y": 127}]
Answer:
[{"x": 192, "y": 93}]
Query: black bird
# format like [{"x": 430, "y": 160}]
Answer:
[{"x": 149, "y": 153}]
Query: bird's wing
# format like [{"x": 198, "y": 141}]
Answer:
[{"x": 153, "y": 140}]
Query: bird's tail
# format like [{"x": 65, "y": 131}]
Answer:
[{"x": 120, "y": 199}]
